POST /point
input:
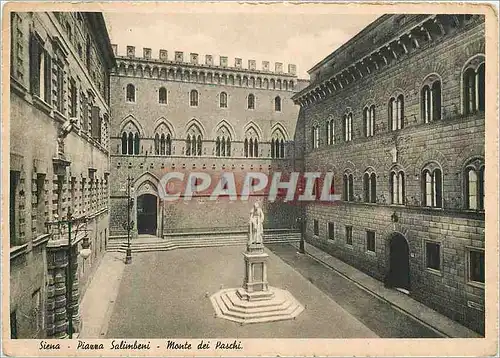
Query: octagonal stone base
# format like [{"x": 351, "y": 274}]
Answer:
[{"x": 274, "y": 305}]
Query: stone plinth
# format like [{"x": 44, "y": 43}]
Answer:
[{"x": 256, "y": 301}]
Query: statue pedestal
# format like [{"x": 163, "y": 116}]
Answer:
[
  {"x": 255, "y": 285},
  {"x": 256, "y": 301}
]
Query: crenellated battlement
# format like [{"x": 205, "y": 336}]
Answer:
[{"x": 181, "y": 59}]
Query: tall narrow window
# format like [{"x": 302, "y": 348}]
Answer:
[
  {"x": 13, "y": 210},
  {"x": 316, "y": 227},
  {"x": 162, "y": 95},
  {"x": 370, "y": 241},
  {"x": 348, "y": 127},
  {"x": 369, "y": 121},
  {"x": 251, "y": 101},
  {"x": 330, "y": 132},
  {"x": 277, "y": 104},
  {"x": 315, "y": 136},
  {"x": 73, "y": 98},
  {"x": 193, "y": 98},
  {"x": 474, "y": 87},
  {"x": 130, "y": 93},
  {"x": 162, "y": 144},
  {"x": 432, "y": 186},
  {"x": 431, "y": 101},
  {"x": 396, "y": 112},
  {"x": 157, "y": 144},
  {"x": 124, "y": 143},
  {"x": 348, "y": 235},
  {"x": 199, "y": 146},
  {"x": 136, "y": 143},
  {"x": 60, "y": 87},
  {"x": 397, "y": 184},
  {"x": 331, "y": 231},
  {"x": 370, "y": 187},
  {"x": 433, "y": 255},
  {"x": 474, "y": 185},
  {"x": 188, "y": 145},
  {"x": 40, "y": 203},
  {"x": 476, "y": 266},
  {"x": 223, "y": 100},
  {"x": 348, "y": 189}
]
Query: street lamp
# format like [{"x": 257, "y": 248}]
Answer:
[
  {"x": 85, "y": 253},
  {"x": 302, "y": 224}
]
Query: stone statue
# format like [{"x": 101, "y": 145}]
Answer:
[
  {"x": 65, "y": 129},
  {"x": 256, "y": 225}
]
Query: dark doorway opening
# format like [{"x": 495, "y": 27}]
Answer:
[
  {"x": 146, "y": 214},
  {"x": 399, "y": 263}
]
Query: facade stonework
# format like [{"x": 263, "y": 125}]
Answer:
[
  {"x": 59, "y": 147},
  {"x": 441, "y": 217},
  {"x": 249, "y": 108}
]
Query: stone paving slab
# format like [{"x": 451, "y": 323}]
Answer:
[
  {"x": 166, "y": 294},
  {"x": 400, "y": 300},
  {"x": 98, "y": 302}
]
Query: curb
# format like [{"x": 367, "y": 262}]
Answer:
[{"x": 402, "y": 310}]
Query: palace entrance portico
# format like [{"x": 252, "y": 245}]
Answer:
[{"x": 147, "y": 208}]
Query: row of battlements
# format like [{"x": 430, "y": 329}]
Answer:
[{"x": 209, "y": 60}]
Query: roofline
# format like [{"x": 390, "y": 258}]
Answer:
[
  {"x": 102, "y": 37},
  {"x": 367, "y": 28}
]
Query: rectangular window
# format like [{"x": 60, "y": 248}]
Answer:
[
  {"x": 96, "y": 124},
  {"x": 331, "y": 231},
  {"x": 316, "y": 227},
  {"x": 40, "y": 203},
  {"x": 348, "y": 235},
  {"x": 433, "y": 255},
  {"x": 476, "y": 266},
  {"x": 14, "y": 186},
  {"x": 40, "y": 70},
  {"x": 17, "y": 47},
  {"x": 60, "y": 88},
  {"x": 370, "y": 241},
  {"x": 85, "y": 113},
  {"x": 73, "y": 96}
]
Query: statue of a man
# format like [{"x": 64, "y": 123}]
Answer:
[{"x": 256, "y": 225}]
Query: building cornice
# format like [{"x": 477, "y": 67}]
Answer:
[{"x": 416, "y": 37}]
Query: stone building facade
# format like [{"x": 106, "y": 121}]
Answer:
[
  {"x": 184, "y": 113},
  {"x": 59, "y": 140},
  {"x": 397, "y": 113}
]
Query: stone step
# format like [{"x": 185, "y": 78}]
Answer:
[
  {"x": 233, "y": 306},
  {"x": 271, "y": 313}
]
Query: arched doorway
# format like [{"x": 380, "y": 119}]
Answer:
[
  {"x": 147, "y": 208},
  {"x": 398, "y": 275}
]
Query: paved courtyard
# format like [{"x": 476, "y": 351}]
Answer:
[{"x": 164, "y": 294}]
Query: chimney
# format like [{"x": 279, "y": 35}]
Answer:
[
  {"x": 223, "y": 61},
  {"x": 163, "y": 55},
  {"x": 115, "y": 49},
  {"x": 292, "y": 69},
  {"x": 194, "y": 58},
  {"x": 146, "y": 53},
  {"x": 131, "y": 51},
  {"x": 179, "y": 56},
  {"x": 278, "y": 67},
  {"x": 252, "y": 65},
  {"x": 265, "y": 65},
  {"x": 237, "y": 62},
  {"x": 209, "y": 60}
]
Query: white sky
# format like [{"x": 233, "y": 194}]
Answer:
[{"x": 288, "y": 36}]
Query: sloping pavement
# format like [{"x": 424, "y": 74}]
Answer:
[{"x": 437, "y": 322}]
